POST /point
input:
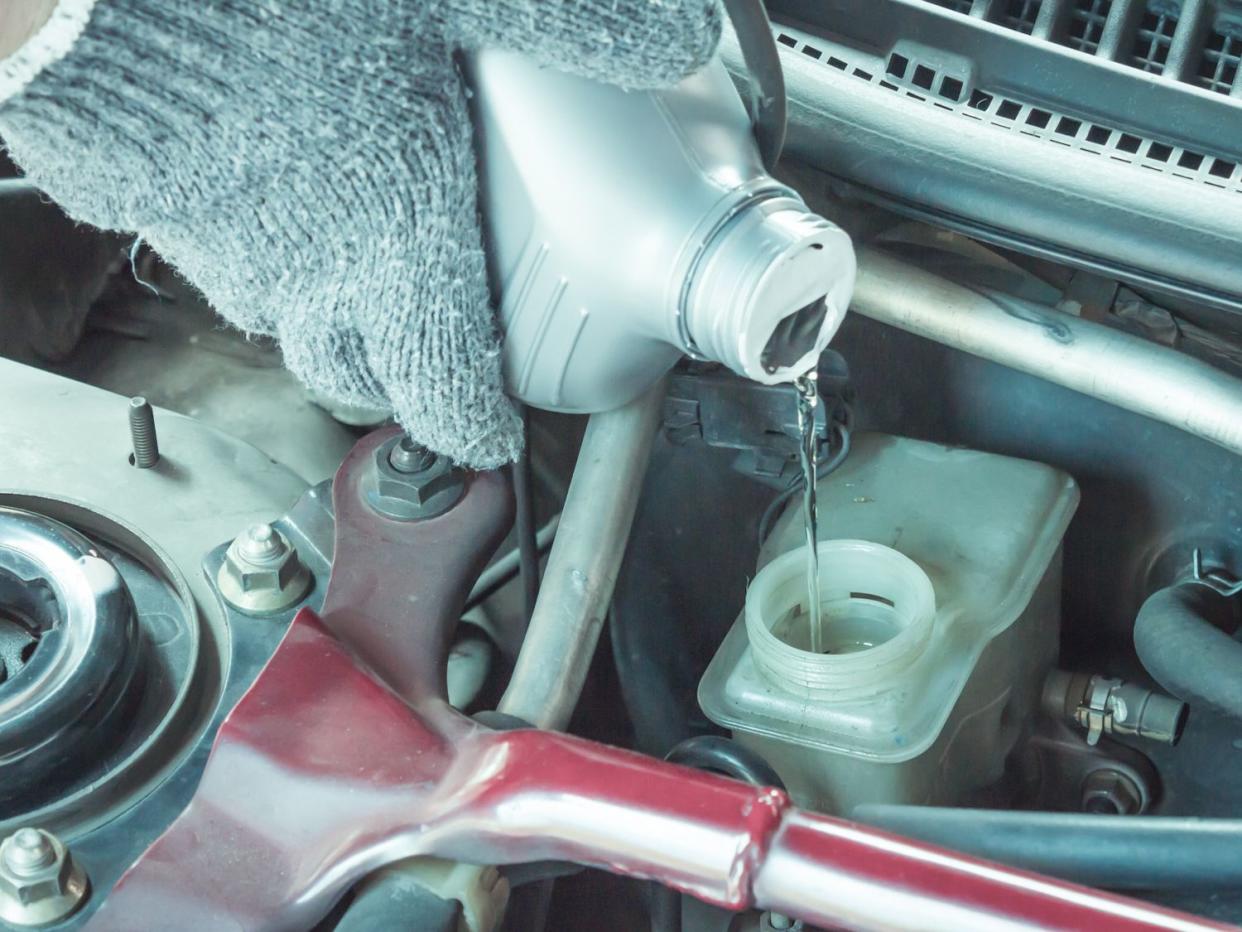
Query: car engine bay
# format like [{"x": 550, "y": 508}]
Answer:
[{"x": 266, "y": 663}]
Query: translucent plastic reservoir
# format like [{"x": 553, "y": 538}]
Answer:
[{"x": 939, "y": 590}]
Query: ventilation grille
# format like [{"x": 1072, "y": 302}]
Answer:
[
  {"x": 1196, "y": 43},
  {"x": 1087, "y": 19},
  {"x": 923, "y": 83},
  {"x": 1218, "y": 67},
  {"x": 1020, "y": 15},
  {"x": 1152, "y": 41}
]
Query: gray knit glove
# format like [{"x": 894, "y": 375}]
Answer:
[{"x": 308, "y": 165}]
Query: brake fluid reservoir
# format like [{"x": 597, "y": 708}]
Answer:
[
  {"x": 940, "y": 593},
  {"x": 624, "y": 229}
]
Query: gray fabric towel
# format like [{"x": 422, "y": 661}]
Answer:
[{"x": 308, "y": 165}]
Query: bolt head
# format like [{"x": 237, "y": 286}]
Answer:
[
  {"x": 261, "y": 559},
  {"x": 1111, "y": 792},
  {"x": 39, "y": 880},
  {"x": 262, "y": 572}
]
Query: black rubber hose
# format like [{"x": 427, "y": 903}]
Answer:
[
  {"x": 719, "y": 755},
  {"x": 723, "y": 756},
  {"x": 1115, "y": 852},
  {"x": 1185, "y": 652},
  {"x": 681, "y": 582},
  {"x": 767, "y": 81}
]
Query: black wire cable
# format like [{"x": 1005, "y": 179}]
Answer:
[{"x": 767, "y": 81}]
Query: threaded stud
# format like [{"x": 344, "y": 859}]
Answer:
[
  {"x": 411, "y": 457},
  {"x": 142, "y": 433},
  {"x": 261, "y": 543},
  {"x": 28, "y": 851}
]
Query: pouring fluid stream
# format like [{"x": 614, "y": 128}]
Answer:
[{"x": 808, "y": 450}]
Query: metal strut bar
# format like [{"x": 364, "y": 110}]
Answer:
[{"x": 321, "y": 774}]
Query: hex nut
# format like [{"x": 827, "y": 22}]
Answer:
[
  {"x": 1110, "y": 792},
  {"x": 35, "y": 892},
  {"x": 411, "y": 496},
  {"x": 261, "y": 573}
]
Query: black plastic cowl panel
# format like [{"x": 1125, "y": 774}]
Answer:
[{"x": 1069, "y": 128}]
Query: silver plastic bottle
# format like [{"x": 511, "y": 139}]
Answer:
[{"x": 627, "y": 228}]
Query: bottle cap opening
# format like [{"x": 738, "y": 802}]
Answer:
[
  {"x": 770, "y": 290},
  {"x": 794, "y": 337}
]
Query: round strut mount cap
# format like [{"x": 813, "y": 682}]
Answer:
[{"x": 69, "y": 652}]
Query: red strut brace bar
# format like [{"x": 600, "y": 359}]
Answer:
[{"x": 341, "y": 759}]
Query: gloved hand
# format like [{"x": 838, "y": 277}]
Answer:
[{"x": 308, "y": 165}]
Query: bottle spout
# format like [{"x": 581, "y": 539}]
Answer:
[{"x": 770, "y": 290}]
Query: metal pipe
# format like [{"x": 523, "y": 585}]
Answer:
[
  {"x": 524, "y": 522},
  {"x": 1116, "y": 852},
  {"x": 582, "y": 567},
  {"x": 1115, "y": 367}
]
